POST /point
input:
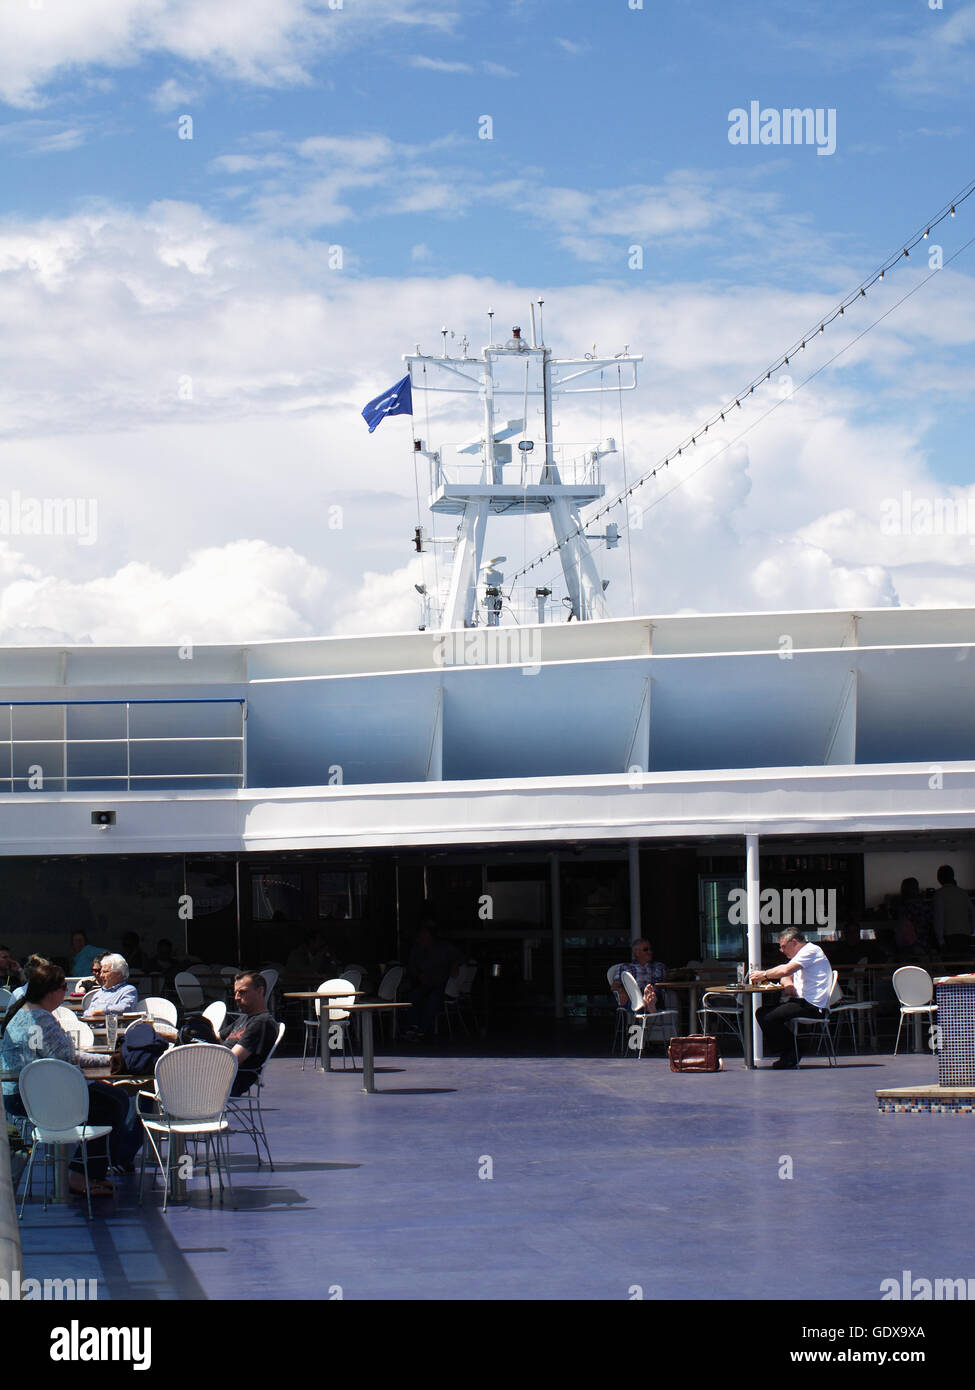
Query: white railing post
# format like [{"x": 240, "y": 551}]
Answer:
[{"x": 754, "y": 951}]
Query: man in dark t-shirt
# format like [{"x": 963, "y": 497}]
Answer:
[{"x": 251, "y": 1036}]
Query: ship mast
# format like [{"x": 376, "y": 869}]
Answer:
[{"x": 542, "y": 478}]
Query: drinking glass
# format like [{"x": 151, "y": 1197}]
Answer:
[{"x": 111, "y": 1030}]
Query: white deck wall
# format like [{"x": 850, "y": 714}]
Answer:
[{"x": 745, "y": 722}]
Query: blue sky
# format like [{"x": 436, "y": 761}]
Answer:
[{"x": 179, "y": 348}]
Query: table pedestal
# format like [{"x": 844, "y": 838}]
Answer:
[{"x": 368, "y": 1054}]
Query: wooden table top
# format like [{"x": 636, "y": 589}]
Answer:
[
  {"x": 736, "y": 988},
  {"x": 687, "y": 984},
  {"x": 317, "y": 994},
  {"x": 350, "y": 1008},
  {"x": 92, "y": 1074}
]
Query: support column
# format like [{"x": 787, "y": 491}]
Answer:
[
  {"x": 636, "y": 920},
  {"x": 555, "y": 893},
  {"x": 399, "y": 937},
  {"x": 754, "y": 942},
  {"x": 240, "y": 944}
]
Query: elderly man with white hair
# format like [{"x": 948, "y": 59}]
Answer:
[{"x": 114, "y": 996}]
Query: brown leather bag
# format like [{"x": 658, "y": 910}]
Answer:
[{"x": 696, "y": 1053}]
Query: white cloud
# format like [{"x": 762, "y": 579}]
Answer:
[
  {"x": 439, "y": 65},
  {"x": 203, "y": 382},
  {"x": 247, "y": 163},
  {"x": 34, "y": 137},
  {"x": 457, "y": 66},
  {"x": 337, "y": 179},
  {"x": 246, "y": 590},
  {"x": 941, "y": 58},
  {"x": 353, "y": 151},
  {"x": 173, "y": 95},
  {"x": 798, "y": 576},
  {"x": 384, "y": 602},
  {"x": 265, "y": 42}
]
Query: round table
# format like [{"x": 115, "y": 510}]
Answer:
[
  {"x": 366, "y": 1011},
  {"x": 748, "y": 1012}
]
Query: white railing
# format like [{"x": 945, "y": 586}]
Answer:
[
  {"x": 519, "y": 610},
  {"x": 122, "y": 745},
  {"x": 578, "y": 466}
]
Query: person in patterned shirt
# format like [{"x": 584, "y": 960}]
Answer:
[
  {"x": 645, "y": 970},
  {"x": 29, "y": 1031}
]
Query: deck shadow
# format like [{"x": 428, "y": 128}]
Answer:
[
  {"x": 417, "y": 1091},
  {"x": 297, "y": 1168}
]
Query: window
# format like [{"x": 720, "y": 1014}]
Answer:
[
  {"x": 343, "y": 894},
  {"x": 121, "y": 745},
  {"x": 276, "y": 897}
]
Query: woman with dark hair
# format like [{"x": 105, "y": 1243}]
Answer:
[
  {"x": 30, "y": 1031},
  {"x": 28, "y": 968}
]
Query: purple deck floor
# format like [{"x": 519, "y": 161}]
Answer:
[{"x": 606, "y": 1174}]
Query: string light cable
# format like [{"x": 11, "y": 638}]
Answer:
[
  {"x": 775, "y": 406},
  {"x": 783, "y": 360}
]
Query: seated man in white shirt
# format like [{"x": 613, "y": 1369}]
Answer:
[
  {"x": 114, "y": 996},
  {"x": 809, "y": 977}
]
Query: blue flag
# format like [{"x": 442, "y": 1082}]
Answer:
[{"x": 398, "y": 400}]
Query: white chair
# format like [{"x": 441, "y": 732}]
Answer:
[
  {"x": 190, "y": 991},
  {"x": 457, "y": 996},
  {"x": 822, "y": 1023},
  {"x": 247, "y": 1108},
  {"x": 388, "y": 990},
  {"x": 55, "y": 1096},
  {"x": 72, "y": 1023},
  {"x": 914, "y": 988},
  {"x": 192, "y": 1089},
  {"x": 338, "y": 1015},
  {"x": 841, "y": 1008},
  {"x": 162, "y": 1009},
  {"x": 726, "y": 1010},
  {"x": 86, "y": 1000},
  {"x": 271, "y": 977},
  {"x": 354, "y": 974},
  {"x": 620, "y": 1033},
  {"x": 665, "y": 1019},
  {"x": 216, "y": 1013}
]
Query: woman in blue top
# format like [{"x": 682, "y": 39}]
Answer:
[{"x": 30, "y": 1031}]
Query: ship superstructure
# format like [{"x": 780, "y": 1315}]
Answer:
[{"x": 514, "y": 467}]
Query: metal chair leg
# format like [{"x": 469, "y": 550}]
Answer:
[{"x": 28, "y": 1177}]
